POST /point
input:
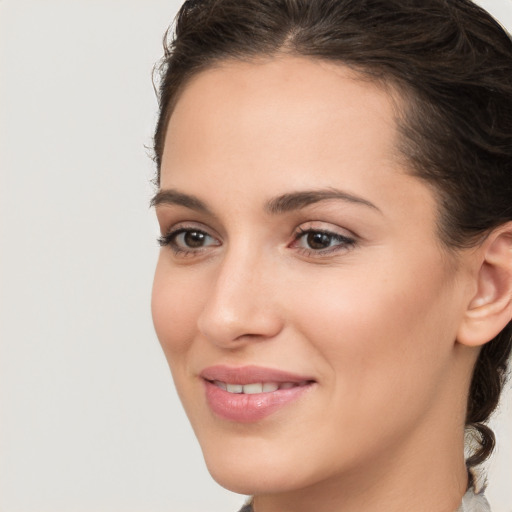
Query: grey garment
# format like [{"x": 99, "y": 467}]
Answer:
[
  {"x": 471, "y": 502},
  {"x": 474, "y": 502}
]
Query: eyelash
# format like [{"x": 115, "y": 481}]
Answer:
[
  {"x": 344, "y": 242},
  {"x": 169, "y": 240}
]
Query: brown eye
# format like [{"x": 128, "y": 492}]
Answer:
[
  {"x": 317, "y": 240},
  {"x": 321, "y": 242},
  {"x": 191, "y": 239},
  {"x": 188, "y": 240},
  {"x": 194, "y": 239}
]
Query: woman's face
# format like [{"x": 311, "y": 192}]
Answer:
[{"x": 302, "y": 267}]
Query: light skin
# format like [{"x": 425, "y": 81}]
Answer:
[{"x": 260, "y": 159}]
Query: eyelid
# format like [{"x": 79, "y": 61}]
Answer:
[
  {"x": 324, "y": 227},
  {"x": 189, "y": 225}
]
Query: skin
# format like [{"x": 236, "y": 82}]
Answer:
[{"x": 375, "y": 321}]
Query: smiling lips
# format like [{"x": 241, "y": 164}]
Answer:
[{"x": 250, "y": 393}]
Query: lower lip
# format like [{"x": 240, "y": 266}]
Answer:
[{"x": 244, "y": 408}]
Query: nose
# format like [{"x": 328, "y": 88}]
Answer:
[{"x": 241, "y": 304}]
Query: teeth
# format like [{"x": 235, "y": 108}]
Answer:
[
  {"x": 252, "y": 389},
  {"x": 269, "y": 387},
  {"x": 220, "y": 384},
  {"x": 257, "y": 387}
]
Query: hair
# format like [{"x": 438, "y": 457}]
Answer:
[{"x": 450, "y": 62}]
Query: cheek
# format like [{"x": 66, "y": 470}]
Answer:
[
  {"x": 382, "y": 333},
  {"x": 383, "y": 344},
  {"x": 175, "y": 305}
]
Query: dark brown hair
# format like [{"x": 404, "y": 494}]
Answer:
[{"x": 451, "y": 62}]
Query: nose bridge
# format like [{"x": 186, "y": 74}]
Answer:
[{"x": 240, "y": 301}]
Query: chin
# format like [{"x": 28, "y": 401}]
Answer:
[
  {"x": 252, "y": 480},
  {"x": 248, "y": 483},
  {"x": 250, "y": 471},
  {"x": 255, "y": 466}
]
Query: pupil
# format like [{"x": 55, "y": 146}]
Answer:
[
  {"x": 194, "y": 239},
  {"x": 318, "y": 240}
]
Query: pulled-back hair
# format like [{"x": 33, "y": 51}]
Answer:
[{"x": 452, "y": 64}]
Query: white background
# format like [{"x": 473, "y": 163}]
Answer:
[{"x": 89, "y": 420}]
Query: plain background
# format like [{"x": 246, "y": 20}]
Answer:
[{"x": 89, "y": 420}]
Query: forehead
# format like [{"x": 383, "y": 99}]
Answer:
[
  {"x": 252, "y": 130},
  {"x": 281, "y": 103}
]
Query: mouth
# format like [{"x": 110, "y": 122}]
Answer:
[
  {"x": 257, "y": 387},
  {"x": 250, "y": 394}
]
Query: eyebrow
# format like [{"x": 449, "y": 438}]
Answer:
[
  {"x": 170, "y": 196},
  {"x": 281, "y": 204},
  {"x": 297, "y": 200}
]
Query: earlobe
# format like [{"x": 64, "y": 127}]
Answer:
[{"x": 490, "y": 309}]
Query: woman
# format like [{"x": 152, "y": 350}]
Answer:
[{"x": 334, "y": 289}]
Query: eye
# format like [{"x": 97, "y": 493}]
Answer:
[
  {"x": 187, "y": 240},
  {"x": 192, "y": 239},
  {"x": 318, "y": 241}
]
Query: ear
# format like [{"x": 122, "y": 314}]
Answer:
[{"x": 490, "y": 309}]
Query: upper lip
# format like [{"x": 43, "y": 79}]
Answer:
[{"x": 250, "y": 375}]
